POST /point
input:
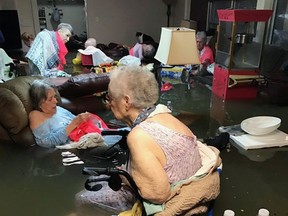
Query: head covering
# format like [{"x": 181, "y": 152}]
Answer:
[
  {"x": 98, "y": 57},
  {"x": 88, "y": 51},
  {"x": 129, "y": 60}
]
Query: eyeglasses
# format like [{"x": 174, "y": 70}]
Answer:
[{"x": 108, "y": 99}]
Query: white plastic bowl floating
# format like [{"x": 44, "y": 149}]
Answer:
[{"x": 260, "y": 125}]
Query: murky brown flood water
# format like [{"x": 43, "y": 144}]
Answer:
[{"x": 34, "y": 182}]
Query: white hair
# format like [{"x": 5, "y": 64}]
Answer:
[
  {"x": 90, "y": 42},
  {"x": 202, "y": 35},
  {"x": 136, "y": 81},
  {"x": 65, "y": 26}
]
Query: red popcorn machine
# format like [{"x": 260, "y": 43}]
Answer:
[{"x": 240, "y": 42}]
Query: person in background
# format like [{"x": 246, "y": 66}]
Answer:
[
  {"x": 163, "y": 151},
  {"x": 27, "y": 38},
  {"x": 205, "y": 52},
  {"x": 5, "y": 62},
  {"x": 144, "y": 51},
  {"x": 51, "y": 124},
  {"x": 206, "y": 57},
  {"x": 2, "y": 38},
  {"x": 47, "y": 52},
  {"x": 145, "y": 48},
  {"x": 89, "y": 42},
  {"x": 8, "y": 67}
]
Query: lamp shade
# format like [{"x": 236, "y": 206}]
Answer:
[{"x": 177, "y": 46}]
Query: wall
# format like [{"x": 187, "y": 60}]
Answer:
[
  {"x": 181, "y": 11},
  {"x": 267, "y": 4},
  {"x": 73, "y": 13},
  {"x": 114, "y": 21},
  {"x": 25, "y": 14},
  {"x": 108, "y": 21}
]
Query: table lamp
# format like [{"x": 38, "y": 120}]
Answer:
[{"x": 177, "y": 46}]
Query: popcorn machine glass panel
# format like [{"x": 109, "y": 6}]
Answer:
[
  {"x": 239, "y": 47},
  {"x": 240, "y": 42}
]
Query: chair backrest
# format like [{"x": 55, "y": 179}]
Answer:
[{"x": 15, "y": 106}]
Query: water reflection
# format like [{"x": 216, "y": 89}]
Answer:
[{"x": 48, "y": 162}]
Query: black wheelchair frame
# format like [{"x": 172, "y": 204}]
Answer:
[{"x": 113, "y": 175}]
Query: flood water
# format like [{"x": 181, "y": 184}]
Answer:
[{"x": 34, "y": 182}]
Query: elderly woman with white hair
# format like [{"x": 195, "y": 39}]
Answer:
[
  {"x": 206, "y": 57},
  {"x": 90, "y": 42},
  {"x": 205, "y": 52},
  {"x": 48, "y": 50},
  {"x": 171, "y": 169}
]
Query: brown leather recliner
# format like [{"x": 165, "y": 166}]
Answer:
[{"x": 77, "y": 95}]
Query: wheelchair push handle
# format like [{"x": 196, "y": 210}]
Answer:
[
  {"x": 115, "y": 132},
  {"x": 96, "y": 171}
]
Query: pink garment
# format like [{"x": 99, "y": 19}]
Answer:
[
  {"x": 136, "y": 51},
  {"x": 206, "y": 55},
  {"x": 61, "y": 52},
  {"x": 183, "y": 157}
]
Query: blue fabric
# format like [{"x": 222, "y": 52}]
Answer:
[
  {"x": 110, "y": 140},
  {"x": 53, "y": 131},
  {"x": 2, "y": 38}
]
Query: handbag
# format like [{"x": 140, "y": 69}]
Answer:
[{"x": 94, "y": 125}]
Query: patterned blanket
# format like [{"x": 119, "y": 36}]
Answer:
[{"x": 43, "y": 53}]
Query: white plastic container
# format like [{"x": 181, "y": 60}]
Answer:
[
  {"x": 260, "y": 125},
  {"x": 229, "y": 212},
  {"x": 263, "y": 212}
]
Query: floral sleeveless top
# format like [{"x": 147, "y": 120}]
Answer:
[{"x": 182, "y": 154}]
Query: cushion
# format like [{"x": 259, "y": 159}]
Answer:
[
  {"x": 14, "y": 116},
  {"x": 83, "y": 85},
  {"x": 15, "y": 103}
]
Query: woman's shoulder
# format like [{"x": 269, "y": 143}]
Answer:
[
  {"x": 166, "y": 123},
  {"x": 137, "y": 138},
  {"x": 135, "y": 133},
  {"x": 36, "y": 118},
  {"x": 34, "y": 113}
]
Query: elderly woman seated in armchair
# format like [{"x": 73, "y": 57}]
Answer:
[
  {"x": 77, "y": 96},
  {"x": 51, "y": 124}
]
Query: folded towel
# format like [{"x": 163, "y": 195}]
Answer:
[{"x": 89, "y": 140}]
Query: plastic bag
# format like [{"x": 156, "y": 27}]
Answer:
[{"x": 94, "y": 125}]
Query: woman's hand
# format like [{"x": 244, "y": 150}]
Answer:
[{"x": 82, "y": 117}]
